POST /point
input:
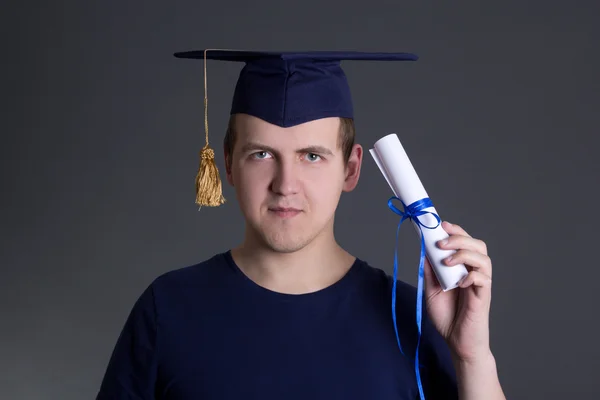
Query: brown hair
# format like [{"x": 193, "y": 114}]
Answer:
[{"x": 346, "y": 137}]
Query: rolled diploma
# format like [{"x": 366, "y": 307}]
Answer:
[{"x": 400, "y": 174}]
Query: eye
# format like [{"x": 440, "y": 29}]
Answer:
[
  {"x": 313, "y": 157},
  {"x": 260, "y": 154}
]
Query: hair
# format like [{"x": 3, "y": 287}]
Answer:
[{"x": 346, "y": 138}]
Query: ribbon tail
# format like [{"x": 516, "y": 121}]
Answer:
[
  {"x": 413, "y": 211},
  {"x": 420, "y": 311},
  {"x": 394, "y": 288}
]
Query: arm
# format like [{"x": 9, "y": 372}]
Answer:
[
  {"x": 461, "y": 316},
  {"x": 478, "y": 379}
]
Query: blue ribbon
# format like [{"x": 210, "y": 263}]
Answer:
[{"x": 413, "y": 211}]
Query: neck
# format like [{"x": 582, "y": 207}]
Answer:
[{"x": 315, "y": 266}]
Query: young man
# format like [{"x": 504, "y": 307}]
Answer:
[{"x": 289, "y": 313}]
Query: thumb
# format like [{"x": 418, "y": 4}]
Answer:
[{"x": 431, "y": 283}]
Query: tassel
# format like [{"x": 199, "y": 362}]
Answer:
[{"x": 208, "y": 182}]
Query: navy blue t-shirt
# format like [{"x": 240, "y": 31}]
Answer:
[{"x": 207, "y": 332}]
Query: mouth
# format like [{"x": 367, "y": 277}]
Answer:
[{"x": 285, "y": 212}]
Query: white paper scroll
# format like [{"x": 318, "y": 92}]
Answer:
[{"x": 400, "y": 174}]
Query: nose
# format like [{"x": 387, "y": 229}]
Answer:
[{"x": 285, "y": 180}]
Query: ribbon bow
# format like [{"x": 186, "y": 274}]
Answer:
[{"x": 413, "y": 212}]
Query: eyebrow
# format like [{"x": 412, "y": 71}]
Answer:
[{"x": 310, "y": 149}]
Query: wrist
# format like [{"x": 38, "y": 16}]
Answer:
[
  {"x": 479, "y": 368},
  {"x": 478, "y": 377},
  {"x": 482, "y": 359}
]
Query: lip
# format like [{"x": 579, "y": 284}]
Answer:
[
  {"x": 285, "y": 212},
  {"x": 283, "y": 209}
]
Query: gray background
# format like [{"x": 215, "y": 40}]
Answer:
[{"x": 101, "y": 129}]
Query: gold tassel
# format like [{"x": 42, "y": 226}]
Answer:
[{"x": 208, "y": 182}]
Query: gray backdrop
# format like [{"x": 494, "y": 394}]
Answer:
[{"x": 102, "y": 127}]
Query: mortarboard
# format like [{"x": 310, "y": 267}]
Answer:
[{"x": 283, "y": 88}]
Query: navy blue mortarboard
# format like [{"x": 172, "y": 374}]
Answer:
[
  {"x": 285, "y": 89},
  {"x": 289, "y": 88}
]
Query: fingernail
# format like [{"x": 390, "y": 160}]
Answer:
[
  {"x": 443, "y": 242},
  {"x": 449, "y": 259}
]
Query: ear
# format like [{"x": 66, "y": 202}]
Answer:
[
  {"x": 353, "y": 168},
  {"x": 228, "y": 162}
]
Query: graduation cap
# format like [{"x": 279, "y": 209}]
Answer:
[{"x": 283, "y": 88}]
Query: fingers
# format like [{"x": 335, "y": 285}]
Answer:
[
  {"x": 454, "y": 229},
  {"x": 470, "y": 251},
  {"x": 460, "y": 239},
  {"x": 477, "y": 261},
  {"x": 477, "y": 279},
  {"x": 431, "y": 283}
]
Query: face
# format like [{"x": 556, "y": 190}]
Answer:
[{"x": 288, "y": 181}]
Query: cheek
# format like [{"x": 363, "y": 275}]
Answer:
[
  {"x": 251, "y": 183},
  {"x": 324, "y": 188}
]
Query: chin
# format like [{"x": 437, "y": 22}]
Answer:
[
  {"x": 286, "y": 242},
  {"x": 283, "y": 235},
  {"x": 284, "y": 239}
]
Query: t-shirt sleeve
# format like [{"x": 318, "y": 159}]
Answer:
[
  {"x": 132, "y": 368},
  {"x": 438, "y": 376}
]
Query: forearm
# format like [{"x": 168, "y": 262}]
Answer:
[{"x": 478, "y": 379}]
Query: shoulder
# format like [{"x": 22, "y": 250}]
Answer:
[
  {"x": 406, "y": 300},
  {"x": 133, "y": 365},
  {"x": 199, "y": 273},
  {"x": 184, "y": 284},
  {"x": 379, "y": 284},
  {"x": 379, "y": 279},
  {"x": 435, "y": 359}
]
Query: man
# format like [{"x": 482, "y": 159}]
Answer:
[{"x": 289, "y": 313}]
